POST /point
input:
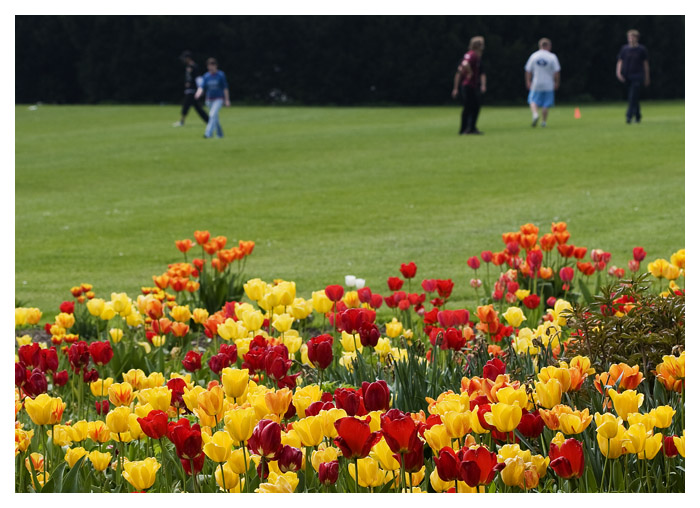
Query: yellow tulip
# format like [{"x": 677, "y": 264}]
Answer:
[
  {"x": 116, "y": 334},
  {"x": 44, "y": 410},
  {"x": 350, "y": 342},
  {"x": 35, "y": 460},
  {"x": 521, "y": 294},
  {"x": 239, "y": 423},
  {"x": 100, "y": 461},
  {"x": 509, "y": 395},
  {"x": 118, "y": 419},
  {"x": 24, "y": 340},
  {"x": 78, "y": 431},
  {"x": 510, "y": 451},
  {"x": 384, "y": 456},
  {"x": 656, "y": 267},
  {"x": 20, "y": 316},
  {"x": 310, "y": 430},
  {"x": 626, "y": 402},
  {"x": 513, "y": 474},
  {"x": 505, "y": 417},
  {"x": 181, "y": 313},
  {"x": 652, "y": 445},
  {"x": 561, "y": 310},
  {"x": 671, "y": 272},
  {"x": 514, "y": 316},
  {"x": 237, "y": 461},
  {"x": 279, "y": 483},
  {"x": 457, "y": 424},
  {"x": 540, "y": 463},
  {"x": 678, "y": 259},
  {"x": 235, "y": 381},
  {"x": 159, "y": 398},
  {"x": 98, "y": 431},
  {"x": 65, "y": 320},
  {"x": 549, "y": 393},
  {"x": 304, "y": 397},
  {"x": 476, "y": 424},
  {"x": 574, "y": 422},
  {"x": 121, "y": 394},
  {"x": 73, "y": 455},
  {"x": 647, "y": 419},
  {"x": 560, "y": 374},
  {"x": 663, "y": 416},
  {"x": 437, "y": 437},
  {"x": 328, "y": 419},
  {"x": 228, "y": 480},
  {"x": 23, "y": 438},
  {"x": 607, "y": 425},
  {"x": 301, "y": 308},
  {"x": 633, "y": 441},
  {"x": 141, "y": 474},
  {"x": 394, "y": 328},
  {"x": 134, "y": 319},
  {"x": 680, "y": 444},
  {"x": 612, "y": 447},
  {"x": 108, "y": 311},
  {"x": 190, "y": 396},
  {"x": 277, "y": 402},
  {"x": 100, "y": 388},
  {"x": 292, "y": 340},
  {"x": 135, "y": 377},
  {"x": 321, "y": 303},
  {"x": 282, "y": 322},
  {"x": 218, "y": 446},
  {"x": 211, "y": 401},
  {"x": 369, "y": 474},
  {"x": 60, "y": 435},
  {"x": 558, "y": 439}
]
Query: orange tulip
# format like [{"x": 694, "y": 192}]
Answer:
[
  {"x": 629, "y": 377},
  {"x": 183, "y": 245},
  {"x": 201, "y": 237}
]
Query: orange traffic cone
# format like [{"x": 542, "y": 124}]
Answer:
[{"x": 577, "y": 113}]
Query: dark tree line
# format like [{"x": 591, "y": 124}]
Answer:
[{"x": 341, "y": 60}]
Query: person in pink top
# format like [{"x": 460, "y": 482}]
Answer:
[{"x": 469, "y": 82}]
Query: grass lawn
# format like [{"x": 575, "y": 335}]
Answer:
[{"x": 102, "y": 192}]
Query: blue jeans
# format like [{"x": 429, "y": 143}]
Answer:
[{"x": 214, "y": 106}]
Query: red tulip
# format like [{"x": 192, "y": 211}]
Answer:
[
  {"x": 447, "y": 463},
  {"x": 531, "y": 424},
  {"x": 101, "y": 352},
  {"x": 479, "y": 466},
  {"x": 218, "y": 362},
  {"x": 585, "y": 268},
  {"x": 566, "y": 274},
  {"x": 352, "y": 319},
  {"x": 493, "y": 368},
  {"x": 394, "y": 283},
  {"x": 566, "y": 250},
  {"x": 376, "y": 395},
  {"x": 316, "y": 407},
  {"x": 444, "y": 288},
  {"x": 567, "y": 459},
  {"x": 187, "y": 439},
  {"x": 412, "y": 459},
  {"x": 328, "y": 472},
  {"x": 399, "y": 430},
  {"x": 30, "y": 355},
  {"x": 531, "y": 301},
  {"x": 474, "y": 263},
  {"x": 349, "y": 400},
  {"x": 155, "y": 424},
  {"x": 266, "y": 440},
  {"x": 60, "y": 378},
  {"x": 534, "y": 260},
  {"x": 364, "y": 295},
  {"x": 487, "y": 256},
  {"x": 355, "y": 439},
  {"x": 67, "y": 307},
  {"x": 408, "y": 270},
  {"x": 320, "y": 350},
  {"x": 429, "y": 285},
  {"x": 376, "y": 301},
  {"x": 177, "y": 389},
  {"x": 36, "y": 383},
  {"x": 102, "y": 408},
  {"x": 580, "y": 252},
  {"x": 639, "y": 254},
  {"x": 335, "y": 292},
  {"x": 192, "y": 361},
  {"x": 78, "y": 355},
  {"x": 369, "y": 334},
  {"x": 669, "y": 448},
  {"x": 197, "y": 461},
  {"x": 49, "y": 360}
]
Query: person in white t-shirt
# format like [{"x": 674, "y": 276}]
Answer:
[{"x": 542, "y": 79}]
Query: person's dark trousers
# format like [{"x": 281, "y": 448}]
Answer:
[
  {"x": 470, "y": 112},
  {"x": 634, "y": 88},
  {"x": 190, "y": 101}
]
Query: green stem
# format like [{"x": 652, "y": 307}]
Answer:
[
  {"x": 357, "y": 477},
  {"x": 223, "y": 476},
  {"x": 194, "y": 476},
  {"x": 602, "y": 478}
]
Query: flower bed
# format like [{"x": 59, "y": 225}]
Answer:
[{"x": 569, "y": 375}]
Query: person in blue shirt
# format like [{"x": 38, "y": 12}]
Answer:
[
  {"x": 633, "y": 70},
  {"x": 216, "y": 88}
]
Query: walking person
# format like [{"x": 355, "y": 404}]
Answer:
[
  {"x": 191, "y": 78},
  {"x": 633, "y": 70},
  {"x": 542, "y": 74},
  {"x": 216, "y": 87},
  {"x": 470, "y": 82}
]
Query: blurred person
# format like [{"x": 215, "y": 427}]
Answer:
[
  {"x": 542, "y": 73},
  {"x": 633, "y": 70},
  {"x": 216, "y": 87},
  {"x": 469, "y": 80},
  {"x": 192, "y": 79}
]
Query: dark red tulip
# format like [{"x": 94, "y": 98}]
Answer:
[
  {"x": 376, "y": 396},
  {"x": 479, "y": 466},
  {"x": 534, "y": 260},
  {"x": 197, "y": 461},
  {"x": 30, "y": 355},
  {"x": 493, "y": 369},
  {"x": 328, "y": 472},
  {"x": 349, "y": 400},
  {"x": 531, "y": 424},
  {"x": 355, "y": 439},
  {"x": 289, "y": 459},
  {"x": 277, "y": 363},
  {"x": 155, "y": 424},
  {"x": 334, "y": 292},
  {"x": 78, "y": 355},
  {"x": 399, "y": 430},
  {"x": 670, "y": 449},
  {"x": 266, "y": 440},
  {"x": 102, "y": 408},
  {"x": 177, "y": 389},
  {"x": 218, "y": 362},
  {"x": 352, "y": 319},
  {"x": 230, "y": 350},
  {"x": 20, "y": 374},
  {"x": 412, "y": 459},
  {"x": 90, "y": 376},
  {"x": 49, "y": 359},
  {"x": 369, "y": 334},
  {"x": 67, "y": 307},
  {"x": 187, "y": 439},
  {"x": 320, "y": 350},
  {"x": 36, "y": 383},
  {"x": 486, "y": 256},
  {"x": 567, "y": 459},
  {"x": 447, "y": 464},
  {"x": 316, "y": 407},
  {"x": 364, "y": 294},
  {"x": 101, "y": 352},
  {"x": 408, "y": 270},
  {"x": 60, "y": 378},
  {"x": 192, "y": 361}
]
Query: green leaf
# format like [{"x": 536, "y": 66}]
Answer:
[
  {"x": 71, "y": 480},
  {"x": 585, "y": 291},
  {"x": 55, "y": 483},
  {"x": 590, "y": 479}
]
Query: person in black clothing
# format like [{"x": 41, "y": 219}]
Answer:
[
  {"x": 191, "y": 74},
  {"x": 468, "y": 81},
  {"x": 633, "y": 70}
]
